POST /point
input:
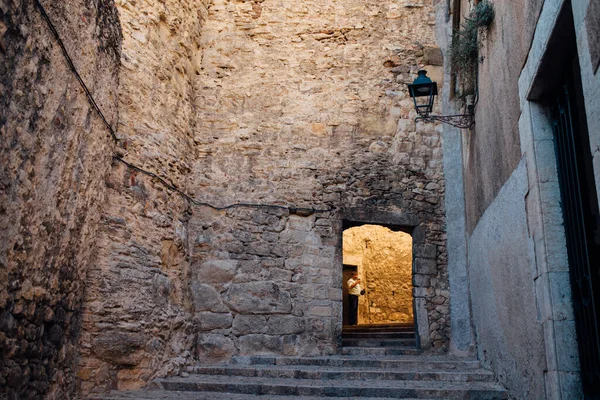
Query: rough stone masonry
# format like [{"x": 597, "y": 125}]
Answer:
[
  {"x": 296, "y": 104},
  {"x": 266, "y": 102},
  {"x": 54, "y": 158}
]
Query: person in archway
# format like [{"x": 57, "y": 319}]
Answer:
[{"x": 354, "y": 290}]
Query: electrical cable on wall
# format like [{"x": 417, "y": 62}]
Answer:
[{"x": 163, "y": 181}]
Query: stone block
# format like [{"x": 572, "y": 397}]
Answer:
[
  {"x": 419, "y": 234},
  {"x": 207, "y": 321},
  {"x": 206, "y": 298},
  {"x": 316, "y": 324},
  {"x": 422, "y": 292},
  {"x": 259, "y": 248},
  {"x": 217, "y": 271},
  {"x": 278, "y": 274},
  {"x": 546, "y": 160},
  {"x": 421, "y": 280},
  {"x": 555, "y": 242},
  {"x": 264, "y": 219},
  {"x": 322, "y": 311},
  {"x": 279, "y": 250},
  {"x": 258, "y": 298},
  {"x": 425, "y": 266},
  {"x": 560, "y": 292},
  {"x": 566, "y": 346},
  {"x": 425, "y": 251},
  {"x": 335, "y": 294},
  {"x": 422, "y": 316},
  {"x": 247, "y": 324},
  {"x": 249, "y": 267},
  {"x": 552, "y": 385},
  {"x": 285, "y": 325},
  {"x": 291, "y": 236},
  {"x": 215, "y": 347},
  {"x": 318, "y": 129},
  {"x": 297, "y": 223},
  {"x": 433, "y": 56},
  {"x": 260, "y": 344},
  {"x": 120, "y": 348},
  {"x": 570, "y": 385}
]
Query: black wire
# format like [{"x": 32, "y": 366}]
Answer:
[
  {"x": 74, "y": 70},
  {"x": 293, "y": 210}
]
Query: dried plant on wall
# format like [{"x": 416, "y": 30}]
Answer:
[{"x": 464, "y": 48}]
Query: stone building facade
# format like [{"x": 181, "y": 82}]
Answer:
[
  {"x": 511, "y": 270},
  {"x": 298, "y": 110}
]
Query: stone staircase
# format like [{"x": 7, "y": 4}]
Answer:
[
  {"x": 388, "y": 339},
  {"x": 375, "y": 363}
]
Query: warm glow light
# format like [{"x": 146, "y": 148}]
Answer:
[{"x": 384, "y": 263}]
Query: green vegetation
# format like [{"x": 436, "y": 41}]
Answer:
[{"x": 464, "y": 49}]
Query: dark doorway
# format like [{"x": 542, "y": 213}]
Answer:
[{"x": 580, "y": 206}]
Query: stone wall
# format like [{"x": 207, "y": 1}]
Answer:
[
  {"x": 518, "y": 268},
  {"x": 384, "y": 264},
  {"x": 290, "y": 90},
  {"x": 305, "y": 104},
  {"x": 55, "y": 154},
  {"x": 502, "y": 57},
  {"x": 498, "y": 281},
  {"x": 137, "y": 319},
  {"x": 265, "y": 281},
  {"x": 262, "y": 282},
  {"x": 271, "y": 103},
  {"x": 510, "y": 337}
]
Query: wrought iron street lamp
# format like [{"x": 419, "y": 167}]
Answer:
[{"x": 423, "y": 91}]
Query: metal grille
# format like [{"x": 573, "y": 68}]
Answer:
[{"x": 572, "y": 147}]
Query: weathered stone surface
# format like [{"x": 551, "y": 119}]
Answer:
[
  {"x": 493, "y": 157},
  {"x": 207, "y": 321},
  {"x": 55, "y": 153},
  {"x": 217, "y": 271},
  {"x": 261, "y": 344},
  {"x": 142, "y": 270},
  {"x": 258, "y": 298},
  {"x": 119, "y": 347},
  {"x": 285, "y": 325},
  {"x": 425, "y": 266},
  {"x": 426, "y": 251},
  {"x": 245, "y": 324},
  {"x": 500, "y": 278},
  {"x": 206, "y": 298},
  {"x": 433, "y": 56},
  {"x": 215, "y": 347}
]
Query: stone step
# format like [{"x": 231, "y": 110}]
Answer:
[
  {"x": 390, "y": 325},
  {"x": 384, "y": 342},
  {"x": 379, "y": 351},
  {"x": 379, "y": 328},
  {"x": 337, "y": 388},
  {"x": 158, "y": 394},
  {"x": 378, "y": 335},
  {"x": 403, "y": 362},
  {"x": 329, "y": 373}
]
